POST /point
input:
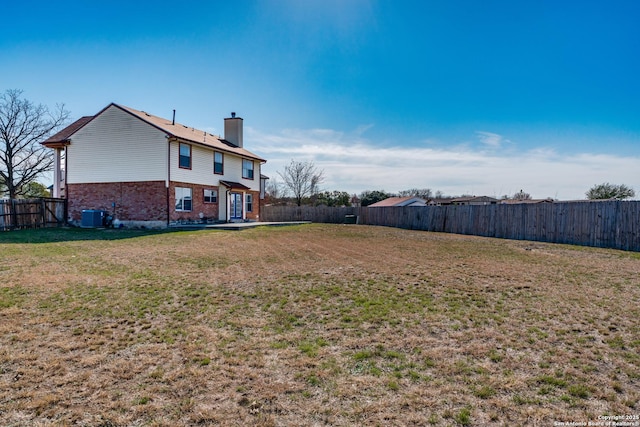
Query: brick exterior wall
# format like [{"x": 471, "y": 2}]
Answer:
[
  {"x": 209, "y": 210},
  {"x": 134, "y": 201},
  {"x": 255, "y": 214},
  {"x": 147, "y": 201}
]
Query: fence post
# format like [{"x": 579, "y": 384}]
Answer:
[
  {"x": 13, "y": 214},
  {"x": 43, "y": 211}
]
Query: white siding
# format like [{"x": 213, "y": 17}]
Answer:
[
  {"x": 201, "y": 171},
  {"x": 233, "y": 172},
  {"x": 117, "y": 147},
  {"x": 222, "y": 205}
]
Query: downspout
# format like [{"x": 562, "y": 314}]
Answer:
[
  {"x": 228, "y": 203},
  {"x": 168, "y": 183}
]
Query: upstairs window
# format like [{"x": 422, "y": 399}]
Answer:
[
  {"x": 185, "y": 156},
  {"x": 247, "y": 169},
  {"x": 218, "y": 163},
  {"x": 210, "y": 196},
  {"x": 183, "y": 199}
]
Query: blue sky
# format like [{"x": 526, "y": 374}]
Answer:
[{"x": 466, "y": 97}]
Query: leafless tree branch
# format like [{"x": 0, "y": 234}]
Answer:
[
  {"x": 23, "y": 126},
  {"x": 303, "y": 179}
]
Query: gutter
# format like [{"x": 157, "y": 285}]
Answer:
[{"x": 168, "y": 183}]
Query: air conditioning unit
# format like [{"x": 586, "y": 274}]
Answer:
[{"x": 92, "y": 218}]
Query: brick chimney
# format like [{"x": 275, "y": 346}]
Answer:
[{"x": 233, "y": 130}]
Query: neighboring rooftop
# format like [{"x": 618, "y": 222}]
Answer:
[
  {"x": 473, "y": 200},
  {"x": 526, "y": 201},
  {"x": 400, "y": 201}
]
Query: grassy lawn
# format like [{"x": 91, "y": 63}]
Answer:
[{"x": 313, "y": 325}]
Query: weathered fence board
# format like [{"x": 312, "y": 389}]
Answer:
[
  {"x": 32, "y": 213},
  {"x": 606, "y": 224}
]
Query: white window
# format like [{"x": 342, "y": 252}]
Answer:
[
  {"x": 218, "y": 163},
  {"x": 183, "y": 199},
  {"x": 185, "y": 156},
  {"x": 248, "y": 198},
  {"x": 247, "y": 169},
  {"x": 210, "y": 196}
]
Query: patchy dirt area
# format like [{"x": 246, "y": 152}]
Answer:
[{"x": 315, "y": 325}]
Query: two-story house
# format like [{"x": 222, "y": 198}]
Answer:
[{"x": 150, "y": 171}]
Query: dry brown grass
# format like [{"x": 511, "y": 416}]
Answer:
[{"x": 315, "y": 325}]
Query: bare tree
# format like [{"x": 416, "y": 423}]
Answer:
[
  {"x": 424, "y": 193},
  {"x": 275, "y": 191},
  {"x": 521, "y": 195},
  {"x": 23, "y": 126},
  {"x": 302, "y": 179}
]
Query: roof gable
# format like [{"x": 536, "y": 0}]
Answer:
[
  {"x": 175, "y": 130},
  {"x": 63, "y": 137},
  {"x": 186, "y": 133}
]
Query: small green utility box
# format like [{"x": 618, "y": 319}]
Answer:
[{"x": 350, "y": 219}]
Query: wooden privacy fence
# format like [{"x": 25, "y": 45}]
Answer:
[
  {"x": 32, "y": 213},
  {"x": 306, "y": 213},
  {"x": 605, "y": 224}
]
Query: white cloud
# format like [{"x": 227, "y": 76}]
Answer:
[
  {"x": 352, "y": 163},
  {"x": 492, "y": 140}
]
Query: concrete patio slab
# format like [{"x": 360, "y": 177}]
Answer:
[{"x": 236, "y": 226}]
